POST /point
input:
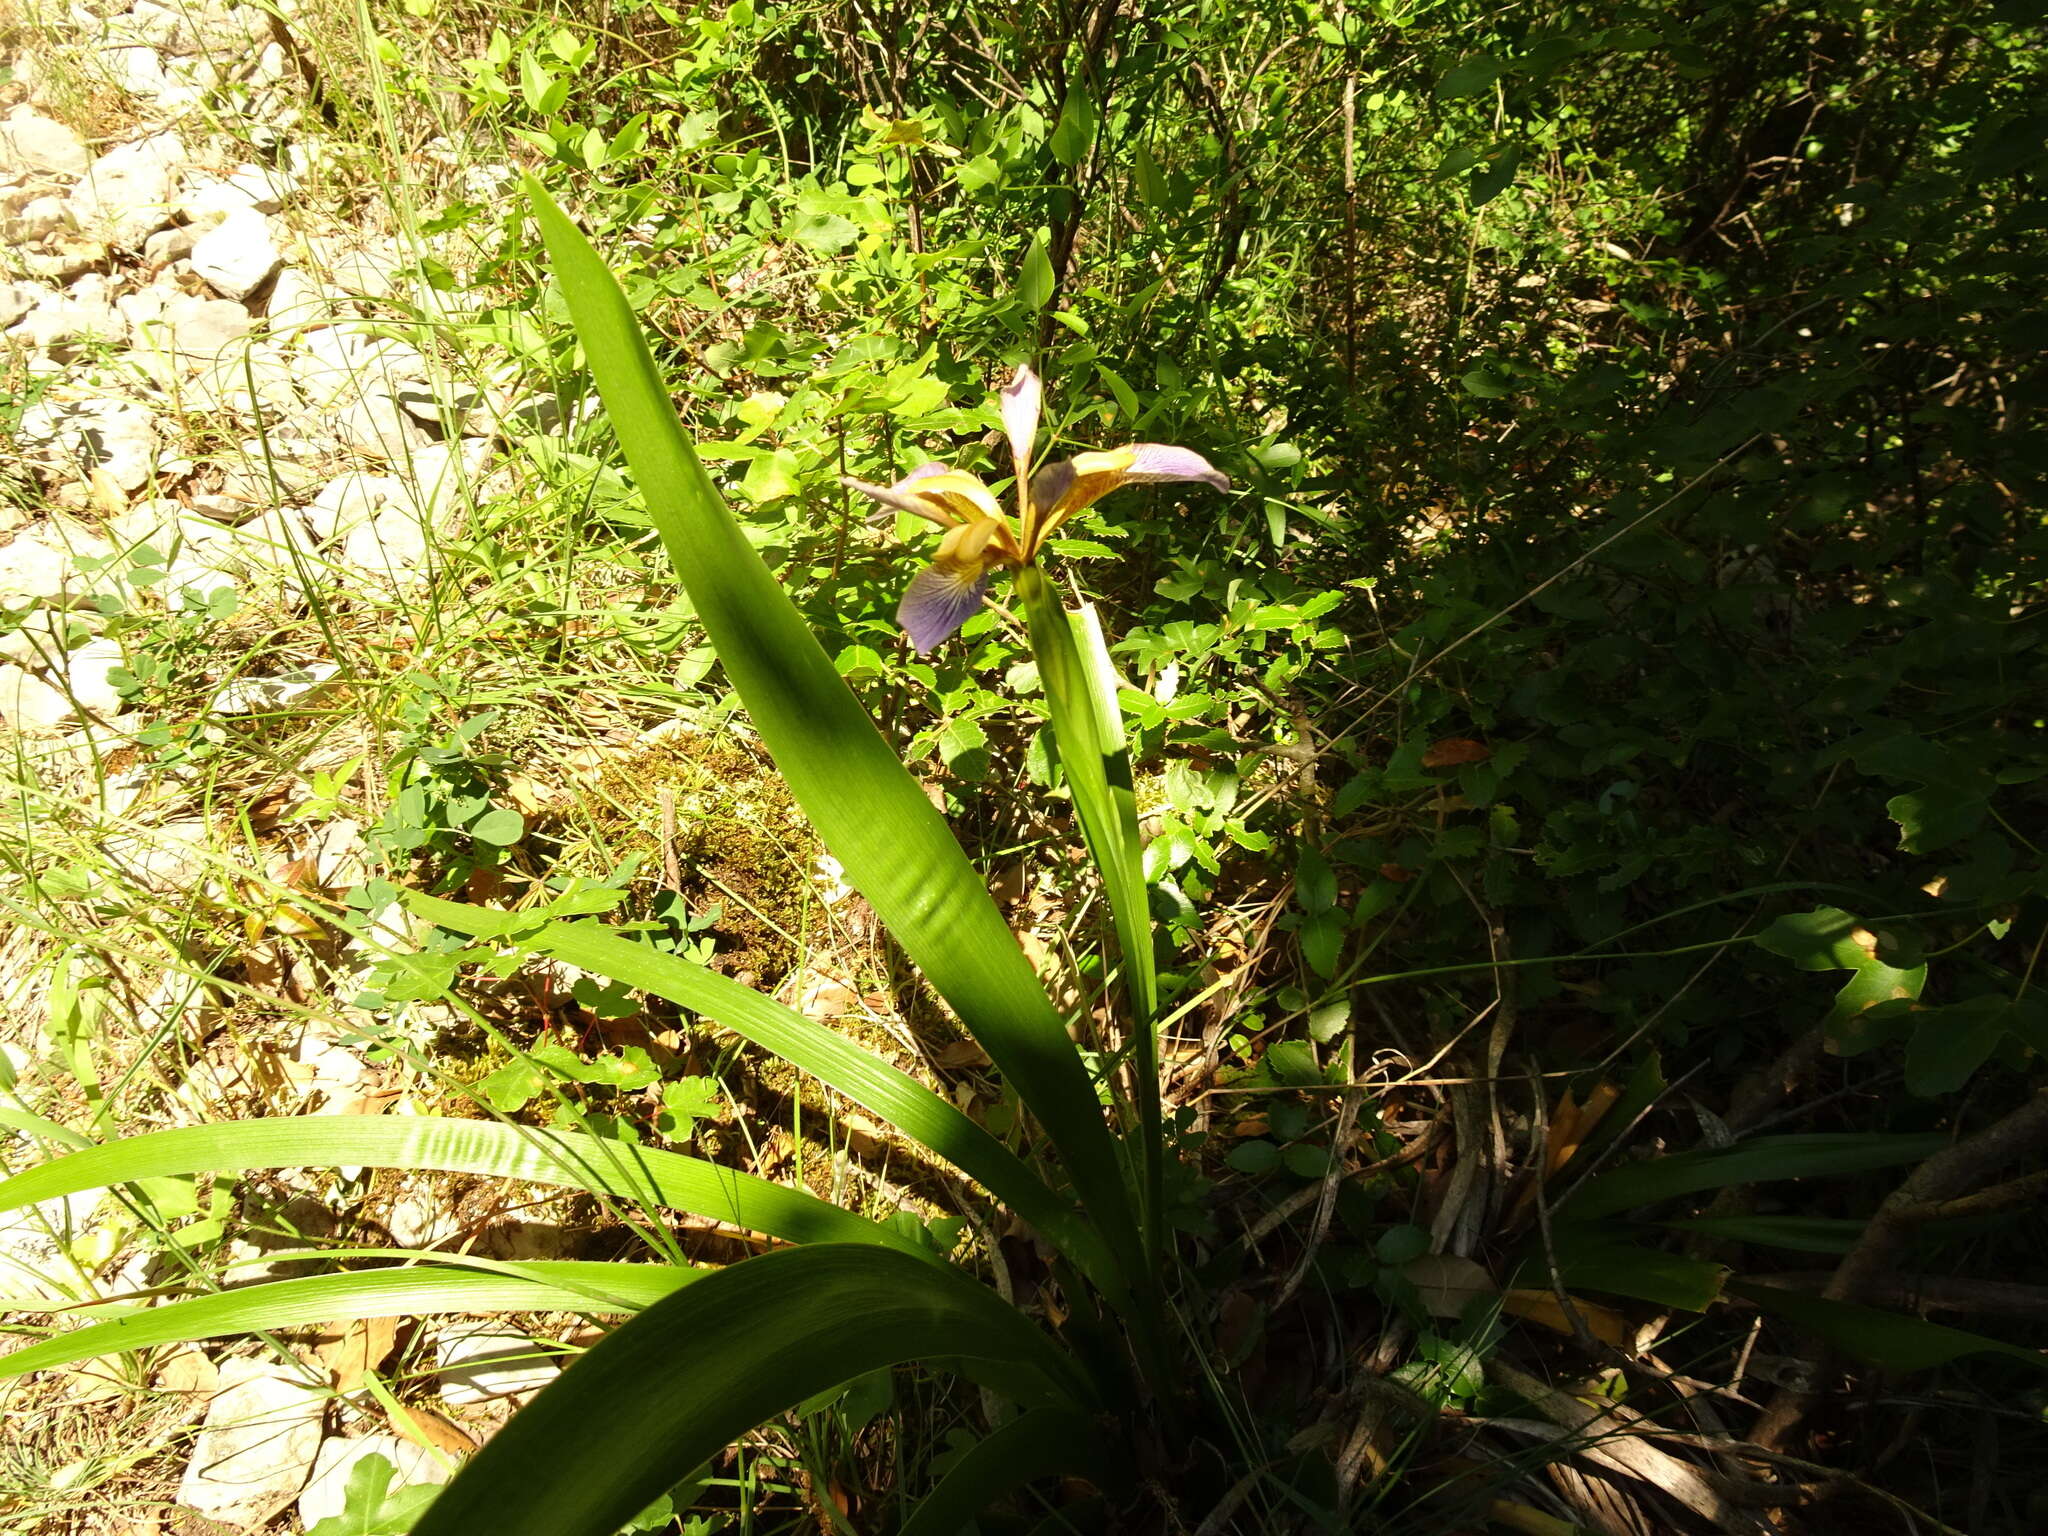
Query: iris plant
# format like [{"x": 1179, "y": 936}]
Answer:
[{"x": 980, "y": 537}]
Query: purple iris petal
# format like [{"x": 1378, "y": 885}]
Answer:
[
  {"x": 1152, "y": 462},
  {"x": 1051, "y": 482},
  {"x": 893, "y": 495},
  {"x": 937, "y": 603}
]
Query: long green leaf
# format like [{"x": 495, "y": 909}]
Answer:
[
  {"x": 570, "y": 1159},
  {"x": 1044, "y": 1442},
  {"x": 1750, "y": 1162},
  {"x": 536, "y": 1286},
  {"x": 895, "y": 846},
  {"x": 1889, "y": 1339},
  {"x": 826, "y": 1054},
  {"x": 1600, "y": 1258},
  {"x": 1089, "y": 742},
  {"x": 675, "y": 1385},
  {"x": 1801, "y": 1234}
]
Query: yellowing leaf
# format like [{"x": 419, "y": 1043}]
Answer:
[{"x": 1604, "y": 1323}]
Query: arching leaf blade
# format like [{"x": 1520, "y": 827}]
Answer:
[
  {"x": 895, "y": 846},
  {"x": 827, "y": 1055},
  {"x": 1044, "y": 1442},
  {"x": 569, "y": 1159},
  {"x": 675, "y": 1385},
  {"x": 410, "y": 1291}
]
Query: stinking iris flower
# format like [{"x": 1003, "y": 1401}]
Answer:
[{"x": 980, "y": 537}]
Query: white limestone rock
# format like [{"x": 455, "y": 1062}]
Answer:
[
  {"x": 29, "y": 705},
  {"x": 257, "y": 1447},
  {"x": 237, "y": 256},
  {"x": 37, "y": 220},
  {"x": 484, "y": 1365},
  {"x": 200, "y": 330},
  {"x": 42, "y": 565},
  {"x": 77, "y": 436},
  {"x": 298, "y": 302},
  {"x": 348, "y": 501},
  {"x": 126, "y": 194},
  {"x": 17, "y": 299},
  {"x": 40, "y": 146}
]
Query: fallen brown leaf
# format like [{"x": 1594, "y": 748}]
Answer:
[
  {"x": 1447, "y": 1283},
  {"x": 424, "y": 1427},
  {"x": 188, "y": 1370},
  {"x": 356, "y": 1350},
  {"x": 1453, "y": 750}
]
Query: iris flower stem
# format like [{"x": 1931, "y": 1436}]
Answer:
[{"x": 1089, "y": 747}]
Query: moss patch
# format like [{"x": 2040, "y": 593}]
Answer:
[{"x": 740, "y": 844}]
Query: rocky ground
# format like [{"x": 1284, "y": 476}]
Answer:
[{"x": 239, "y": 431}]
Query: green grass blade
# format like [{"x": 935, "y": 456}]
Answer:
[
  {"x": 895, "y": 846},
  {"x": 824, "y": 1053},
  {"x": 1089, "y": 742},
  {"x": 539, "y": 1286},
  {"x": 1888, "y": 1339},
  {"x": 568, "y": 1159},
  {"x": 1750, "y": 1162},
  {"x": 1044, "y": 1442},
  {"x": 684, "y": 1379}
]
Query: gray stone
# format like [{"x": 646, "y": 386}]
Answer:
[
  {"x": 169, "y": 245},
  {"x": 196, "y": 331},
  {"x": 338, "y": 364},
  {"x": 264, "y": 695},
  {"x": 481, "y": 1366},
  {"x": 41, "y": 145},
  {"x": 63, "y": 321},
  {"x": 156, "y": 26},
  {"x": 452, "y": 403},
  {"x": 30, "y": 705},
  {"x": 348, "y": 501},
  {"x": 237, "y": 256},
  {"x": 33, "y": 1238},
  {"x": 261, "y": 557},
  {"x": 257, "y": 1446},
  {"x": 79, "y": 436},
  {"x": 268, "y": 188},
  {"x": 126, "y": 194},
  {"x": 68, "y": 260},
  {"x": 297, "y": 301},
  {"x": 85, "y": 677},
  {"x": 209, "y": 200},
  {"x": 44, "y": 635},
  {"x": 368, "y": 273},
  {"x": 17, "y": 299},
  {"x": 327, "y": 1494},
  {"x": 376, "y": 424},
  {"x": 139, "y": 71},
  {"x": 41, "y": 565},
  {"x": 37, "y": 219},
  {"x": 252, "y": 380}
]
